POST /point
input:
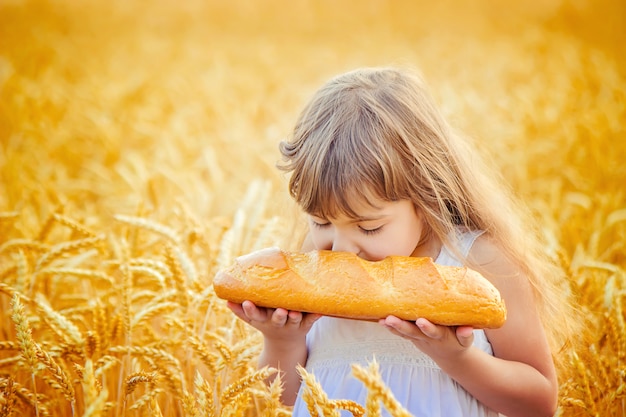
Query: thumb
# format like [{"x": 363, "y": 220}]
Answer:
[{"x": 465, "y": 335}]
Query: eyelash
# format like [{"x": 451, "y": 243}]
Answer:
[
  {"x": 370, "y": 231},
  {"x": 320, "y": 225},
  {"x": 365, "y": 231}
]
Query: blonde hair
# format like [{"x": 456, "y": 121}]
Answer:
[{"x": 376, "y": 132}]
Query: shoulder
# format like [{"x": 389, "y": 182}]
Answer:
[{"x": 488, "y": 257}]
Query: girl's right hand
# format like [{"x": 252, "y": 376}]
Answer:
[{"x": 276, "y": 324}]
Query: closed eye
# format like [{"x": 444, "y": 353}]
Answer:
[
  {"x": 320, "y": 224},
  {"x": 370, "y": 231}
]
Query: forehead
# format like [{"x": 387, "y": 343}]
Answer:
[{"x": 351, "y": 204}]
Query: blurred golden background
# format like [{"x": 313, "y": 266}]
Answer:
[{"x": 138, "y": 141}]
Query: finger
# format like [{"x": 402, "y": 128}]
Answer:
[
  {"x": 402, "y": 327},
  {"x": 429, "y": 329},
  {"x": 238, "y": 310},
  {"x": 279, "y": 317},
  {"x": 465, "y": 335},
  {"x": 252, "y": 312},
  {"x": 294, "y": 317},
  {"x": 234, "y": 307},
  {"x": 397, "y": 333},
  {"x": 309, "y": 319}
]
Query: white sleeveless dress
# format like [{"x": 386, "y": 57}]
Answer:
[{"x": 416, "y": 381}]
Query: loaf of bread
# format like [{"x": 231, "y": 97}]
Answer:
[{"x": 341, "y": 284}]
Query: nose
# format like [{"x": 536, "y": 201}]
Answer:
[{"x": 341, "y": 243}]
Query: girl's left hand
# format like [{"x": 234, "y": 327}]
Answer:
[{"x": 441, "y": 343}]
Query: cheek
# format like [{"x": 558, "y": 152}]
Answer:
[
  {"x": 321, "y": 238},
  {"x": 402, "y": 240}
]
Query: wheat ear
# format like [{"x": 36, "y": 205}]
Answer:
[
  {"x": 136, "y": 378},
  {"x": 353, "y": 407},
  {"x": 29, "y": 398},
  {"x": 314, "y": 396},
  {"x": 239, "y": 387},
  {"x": 61, "y": 249},
  {"x": 94, "y": 394},
  {"x": 25, "y": 342},
  {"x": 204, "y": 392},
  {"x": 177, "y": 276},
  {"x": 146, "y": 399},
  {"x": 23, "y": 244},
  {"x": 189, "y": 405},
  {"x": 9, "y": 395},
  {"x": 272, "y": 397},
  {"x": 67, "y": 330},
  {"x": 60, "y": 378},
  {"x": 377, "y": 391},
  {"x": 23, "y": 333},
  {"x": 207, "y": 358},
  {"x": 150, "y": 225},
  {"x": 73, "y": 225}
]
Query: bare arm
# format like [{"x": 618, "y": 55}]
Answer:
[
  {"x": 284, "y": 338},
  {"x": 284, "y": 341},
  {"x": 520, "y": 379}
]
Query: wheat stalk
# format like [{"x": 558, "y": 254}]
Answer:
[
  {"x": 8, "y": 345},
  {"x": 9, "y": 396},
  {"x": 63, "y": 327},
  {"x": 73, "y": 225},
  {"x": 189, "y": 405},
  {"x": 22, "y": 281},
  {"x": 178, "y": 277},
  {"x": 65, "y": 248},
  {"x": 27, "y": 397},
  {"x": 272, "y": 403},
  {"x": 136, "y": 378},
  {"x": 159, "y": 355},
  {"x": 25, "y": 245},
  {"x": 353, "y": 407},
  {"x": 61, "y": 380},
  {"x": 231, "y": 394},
  {"x": 98, "y": 407},
  {"x": 94, "y": 397},
  {"x": 23, "y": 333},
  {"x": 150, "y": 272},
  {"x": 208, "y": 359},
  {"x": 146, "y": 399},
  {"x": 78, "y": 272},
  {"x": 151, "y": 226},
  {"x": 204, "y": 393},
  {"x": 186, "y": 264},
  {"x": 48, "y": 224},
  {"x": 9, "y": 215},
  {"x": 92, "y": 344},
  {"x": 314, "y": 396},
  {"x": 149, "y": 312},
  {"x": 155, "y": 410},
  {"x": 377, "y": 391}
]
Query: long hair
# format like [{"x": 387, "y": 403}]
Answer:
[{"x": 376, "y": 133}]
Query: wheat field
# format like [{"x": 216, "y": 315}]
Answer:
[{"x": 138, "y": 143}]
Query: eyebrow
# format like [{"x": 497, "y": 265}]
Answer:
[
  {"x": 370, "y": 218},
  {"x": 359, "y": 218}
]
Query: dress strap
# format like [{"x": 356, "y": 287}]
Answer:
[{"x": 464, "y": 241}]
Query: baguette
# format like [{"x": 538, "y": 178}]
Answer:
[{"x": 341, "y": 284}]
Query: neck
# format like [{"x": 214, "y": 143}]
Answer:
[{"x": 429, "y": 247}]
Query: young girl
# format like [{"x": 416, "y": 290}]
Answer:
[{"x": 379, "y": 172}]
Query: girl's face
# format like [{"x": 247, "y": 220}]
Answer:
[{"x": 382, "y": 229}]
